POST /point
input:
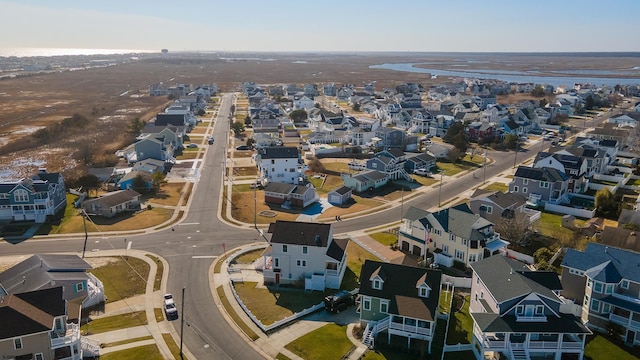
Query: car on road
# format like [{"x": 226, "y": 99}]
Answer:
[
  {"x": 339, "y": 301},
  {"x": 211, "y": 140},
  {"x": 243, "y": 147},
  {"x": 170, "y": 309},
  {"x": 421, "y": 171},
  {"x": 192, "y": 145}
]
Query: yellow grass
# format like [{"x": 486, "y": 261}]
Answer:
[
  {"x": 141, "y": 220},
  {"x": 169, "y": 194}
]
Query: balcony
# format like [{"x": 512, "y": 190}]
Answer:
[
  {"x": 624, "y": 321},
  {"x": 70, "y": 336},
  {"x": 414, "y": 329}
]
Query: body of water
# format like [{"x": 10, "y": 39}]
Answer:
[
  {"x": 29, "y": 52},
  {"x": 508, "y": 76}
]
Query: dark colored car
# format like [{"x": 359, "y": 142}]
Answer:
[
  {"x": 243, "y": 147},
  {"x": 339, "y": 301}
]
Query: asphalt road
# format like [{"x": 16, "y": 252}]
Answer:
[{"x": 202, "y": 234}]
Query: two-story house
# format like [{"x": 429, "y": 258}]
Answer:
[
  {"x": 452, "y": 234},
  {"x": 400, "y": 300},
  {"x": 540, "y": 184},
  {"x": 497, "y": 206},
  {"x": 573, "y": 166},
  {"x": 32, "y": 199},
  {"x": 170, "y": 135},
  {"x": 36, "y": 327},
  {"x": 287, "y": 195},
  {"x": 280, "y": 164},
  {"x": 305, "y": 254},
  {"x": 390, "y": 162},
  {"x": 517, "y": 313},
  {"x": 605, "y": 281}
]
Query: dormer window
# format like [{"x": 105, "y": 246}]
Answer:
[
  {"x": 377, "y": 284},
  {"x": 21, "y": 195},
  {"x": 423, "y": 291}
]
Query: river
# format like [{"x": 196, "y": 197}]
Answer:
[{"x": 510, "y": 76}]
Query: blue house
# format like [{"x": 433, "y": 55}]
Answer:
[{"x": 32, "y": 199}]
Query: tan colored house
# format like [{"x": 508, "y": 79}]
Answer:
[{"x": 113, "y": 203}]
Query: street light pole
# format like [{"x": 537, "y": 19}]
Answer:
[
  {"x": 440, "y": 190},
  {"x": 484, "y": 168},
  {"x": 182, "y": 324},
  {"x": 86, "y": 235}
]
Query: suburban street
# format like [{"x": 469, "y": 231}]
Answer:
[{"x": 190, "y": 247}]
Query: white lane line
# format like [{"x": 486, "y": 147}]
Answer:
[{"x": 204, "y": 256}]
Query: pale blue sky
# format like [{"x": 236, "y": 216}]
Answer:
[{"x": 330, "y": 25}]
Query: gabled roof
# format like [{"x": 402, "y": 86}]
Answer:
[
  {"x": 280, "y": 188},
  {"x": 507, "y": 279},
  {"x": 300, "y": 233},
  {"x": 600, "y": 260},
  {"x": 114, "y": 198},
  {"x": 342, "y": 190},
  {"x": 490, "y": 322},
  {"x": 400, "y": 288},
  {"x": 37, "y": 272},
  {"x": 540, "y": 174},
  {"x": 503, "y": 200},
  {"x": 31, "y": 312}
]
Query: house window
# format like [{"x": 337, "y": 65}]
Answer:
[
  {"x": 384, "y": 307},
  {"x": 464, "y": 241},
  {"x": 472, "y": 258},
  {"x": 606, "y": 308},
  {"x": 377, "y": 284},
  {"x": 79, "y": 287},
  {"x": 285, "y": 248},
  {"x": 276, "y": 263},
  {"x": 519, "y": 310},
  {"x": 17, "y": 343},
  {"x": 595, "y": 305},
  {"x": 452, "y": 238},
  {"x": 21, "y": 195},
  {"x": 445, "y": 248},
  {"x": 525, "y": 190},
  {"x": 302, "y": 263},
  {"x": 544, "y": 185},
  {"x": 305, "y": 250},
  {"x": 525, "y": 182},
  {"x": 625, "y": 284},
  {"x": 459, "y": 255},
  {"x": 39, "y": 356},
  {"x": 366, "y": 304},
  {"x": 424, "y": 292},
  {"x": 539, "y": 310},
  {"x": 608, "y": 289},
  {"x": 488, "y": 209},
  {"x": 597, "y": 287},
  {"x": 436, "y": 231},
  {"x": 515, "y": 189},
  {"x": 589, "y": 283},
  {"x": 586, "y": 300}
]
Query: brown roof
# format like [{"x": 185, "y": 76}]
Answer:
[
  {"x": 620, "y": 238},
  {"x": 31, "y": 312}
]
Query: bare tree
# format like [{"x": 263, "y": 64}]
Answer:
[{"x": 513, "y": 227}]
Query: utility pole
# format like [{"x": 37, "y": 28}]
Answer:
[
  {"x": 182, "y": 324},
  {"x": 255, "y": 205},
  {"x": 440, "y": 190},
  {"x": 86, "y": 235},
  {"x": 484, "y": 167},
  {"x": 515, "y": 155}
]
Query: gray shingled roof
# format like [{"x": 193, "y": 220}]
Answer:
[
  {"x": 591, "y": 261},
  {"x": 113, "y": 198},
  {"x": 489, "y": 322},
  {"x": 300, "y": 233},
  {"x": 279, "y": 152}
]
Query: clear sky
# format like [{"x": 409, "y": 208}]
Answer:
[{"x": 329, "y": 25}]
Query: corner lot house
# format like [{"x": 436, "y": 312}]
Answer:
[
  {"x": 113, "y": 203},
  {"x": 32, "y": 199},
  {"x": 35, "y": 327},
  {"x": 605, "y": 282},
  {"x": 399, "y": 300},
  {"x": 517, "y": 313},
  {"x": 280, "y": 164},
  {"x": 301, "y": 253}
]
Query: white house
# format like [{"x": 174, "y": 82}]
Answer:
[
  {"x": 280, "y": 164},
  {"x": 301, "y": 253},
  {"x": 303, "y": 102}
]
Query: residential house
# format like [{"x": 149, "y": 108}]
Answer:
[
  {"x": 164, "y": 119},
  {"x": 540, "y": 184},
  {"x": 169, "y": 135},
  {"x": 248, "y": 86},
  {"x": 113, "y": 203},
  {"x": 149, "y": 165},
  {"x": 340, "y": 195},
  {"x": 620, "y": 237},
  {"x": 304, "y": 253},
  {"x": 390, "y": 137},
  {"x": 265, "y": 125},
  {"x": 390, "y": 162},
  {"x": 497, "y": 207},
  {"x": 420, "y": 122},
  {"x": 280, "y": 164},
  {"x": 411, "y": 101},
  {"x": 42, "y": 271},
  {"x": 612, "y": 132},
  {"x": 289, "y": 195},
  {"x": 629, "y": 119},
  {"x": 484, "y": 101},
  {"x": 150, "y": 148},
  {"x": 605, "y": 282},
  {"x": 329, "y": 89},
  {"x": 594, "y": 159},
  {"x": 518, "y": 314},
  {"x": 32, "y": 199},
  {"x": 452, "y": 234},
  {"x": 480, "y": 130},
  {"x": 419, "y": 161},
  {"x": 572, "y": 166},
  {"x": 366, "y": 180},
  {"x": 303, "y": 103},
  {"x": 439, "y": 150},
  {"x": 399, "y": 300},
  {"x": 36, "y": 327},
  {"x": 127, "y": 181}
]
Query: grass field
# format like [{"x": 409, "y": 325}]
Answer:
[
  {"x": 123, "y": 321},
  {"x": 461, "y": 325},
  {"x": 496, "y": 186},
  {"x": 356, "y": 255},
  {"x": 313, "y": 346},
  {"x": 600, "y": 348},
  {"x": 385, "y": 238},
  {"x": 234, "y": 316},
  {"x": 147, "y": 352},
  {"x": 248, "y": 257},
  {"x": 122, "y": 279}
]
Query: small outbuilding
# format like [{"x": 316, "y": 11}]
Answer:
[{"x": 339, "y": 196}]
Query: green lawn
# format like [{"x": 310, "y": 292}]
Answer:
[
  {"x": 147, "y": 352},
  {"x": 356, "y": 255},
  {"x": 453, "y": 169},
  {"x": 496, "y": 186},
  {"x": 271, "y": 305},
  {"x": 123, "y": 279},
  {"x": 173, "y": 347},
  {"x": 460, "y": 325},
  {"x": 53, "y": 227},
  {"x": 127, "y": 341},
  {"x": 137, "y": 318},
  {"x": 551, "y": 225},
  {"x": 327, "y": 342},
  {"x": 234, "y": 316},
  {"x": 248, "y": 257},
  {"x": 445, "y": 301},
  {"x": 634, "y": 182},
  {"x": 600, "y": 348},
  {"x": 385, "y": 238}
]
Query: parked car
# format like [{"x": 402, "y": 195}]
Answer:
[
  {"x": 192, "y": 145},
  {"x": 421, "y": 171},
  {"x": 243, "y": 147},
  {"x": 168, "y": 299},
  {"x": 339, "y": 301}
]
